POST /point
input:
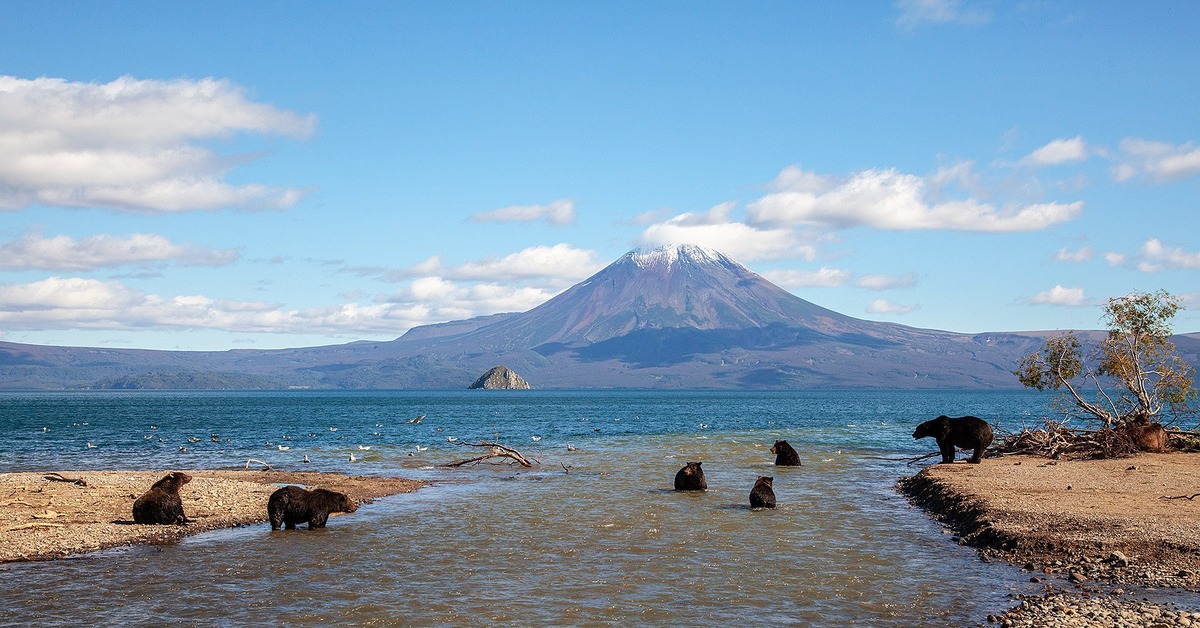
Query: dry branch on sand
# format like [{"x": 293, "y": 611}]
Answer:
[{"x": 495, "y": 450}]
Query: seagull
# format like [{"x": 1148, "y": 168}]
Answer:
[
  {"x": 283, "y": 447},
  {"x": 451, "y": 439},
  {"x": 153, "y": 427},
  {"x": 333, "y": 429},
  {"x": 704, "y": 426},
  {"x": 364, "y": 447},
  {"x": 571, "y": 447},
  {"x": 193, "y": 440},
  {"x": 147, "y": 437},
  {"x": 416, "y": 420},
  {"x": 182, "y": 449},
  {"x": 45, "y": 429},
  {"x": 536, "y": 438},
  {"x": 420, "y": 448},
  {"x": 90, "y": 445},
  {"x": 216, "y": 438},
  {"x": 306, "y": 458},
  {"x": 352, "y": 458}
]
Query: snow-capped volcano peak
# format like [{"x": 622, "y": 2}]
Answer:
[{"x": 668, "y": 255}]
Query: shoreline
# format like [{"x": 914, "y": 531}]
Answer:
[
  {"x": 43, "y": 519},
  {"x": 1088, "y": 529}
]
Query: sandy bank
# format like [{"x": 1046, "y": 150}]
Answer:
[{"x": 43, "y": 519}]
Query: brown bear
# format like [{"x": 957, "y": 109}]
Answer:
[
  {"x": 691, "y": 478},
  {"x": 785, "y": 456},
  {"x": 291, "y": 505},
  {"x": 967, "y": 432},
  {"x": 1147, "y": 436},
  {"x": 762, "y": 495},
  {"x": 161, "y": 504}
]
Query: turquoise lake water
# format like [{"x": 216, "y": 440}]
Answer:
[{"x": 592, "y": 536}]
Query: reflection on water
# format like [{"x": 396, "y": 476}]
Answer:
[{"x": 592, "y": 536}]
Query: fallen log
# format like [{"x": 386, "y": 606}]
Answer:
[{"x": 495, "y": 450}]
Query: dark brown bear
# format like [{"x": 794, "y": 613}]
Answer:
[
  {"x": 762, "y": 495},
  {"x": 161, "y": 504},
  {"x": 965, "y": 432},
  {"x": 785, "y": 456},
  {"x": 1147, "y": 436},
  {"x": 691, "y": 478},
  {"x": 291, "y": 505}
]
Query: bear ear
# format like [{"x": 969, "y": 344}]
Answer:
[{"x": 699, "y": 463}]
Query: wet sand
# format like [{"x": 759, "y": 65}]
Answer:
[
  {"x": 1090, "y": 529},
  {"x": 42, "y": 519}
]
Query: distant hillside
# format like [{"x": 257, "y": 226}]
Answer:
[{"x": 674, "y": 317}]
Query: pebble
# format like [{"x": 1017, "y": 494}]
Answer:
[{"x": 1060, "y": 609}]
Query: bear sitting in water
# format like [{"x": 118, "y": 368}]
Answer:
[
  {"x": 762, "y": 495},
  {"x": 161, "y": 504},
  {"x": 291, "y": 505},
  {"x": 691, "y": 478},
  {"x": 785, "y": 455},
  {"x": 966, "y": 432}
]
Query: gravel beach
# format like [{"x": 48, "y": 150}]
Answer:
[
  {"x": 1095, "y": 531},
  {"x": 43, "y": 518}
]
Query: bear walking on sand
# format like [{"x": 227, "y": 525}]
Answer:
[
  {"x": 291, "y": 505},
  {"x": 691, "y": 478},
  {"x": 966, "y": 432},
  {"x": 762, "y": 495},
  {"x": 161, "y": 504},
  {"x": 785, "y": 455}
]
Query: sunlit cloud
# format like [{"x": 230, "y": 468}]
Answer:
[
  {"x": 1156, "y": 162},
  {"x": 63, "y": 253},
  {"x": 886, "y": 282},
  {"x": 1158, "y": 256},
  {"x": 1075, "y": 257},
  {"x": 883, "y": 306},
  {"x": 1059, "y": 295},
  {"x": 133, "y": 145},
  {"x": 1060, "y": 151},
  {"x": 890, "y": 200},
  {"x": 716, "y": 230},
  {"x": 559, "y": 212},
  {"x": 823, "y": 277}
]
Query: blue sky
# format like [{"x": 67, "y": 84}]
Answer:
[{"x": 263, "y": 175}]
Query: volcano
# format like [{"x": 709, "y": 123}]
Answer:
[{"x": 672, "y": 317}]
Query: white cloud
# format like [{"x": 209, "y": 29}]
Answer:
[
  {"x": 886, "y": 282},
  {"x": 715, "y": 230},
  {"x": 1114, "y": 259},
  {"x": 887, "y": 199},
  {"x": 883, "y": 306},
  {"x": 914, "y": 13},
  {"x": 559, "y": 212},
  {"x": 823, "y": 277},
  {"x": 558, "y": 265},
  {"x": 1082, "y": 255},
  {"x": 1058, "y": 295},
  {"x": 1157, "y": 162},
  {"x": 104, "y": 251},
  {"x": 133, "y": 145},
  {"x": 1157, "y": 256},
  {"x": 1059, "y": 151}
]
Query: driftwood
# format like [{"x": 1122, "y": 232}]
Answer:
[
  {"x": 266, "y": 467},
  {"x": 35, "y": 524},
  {"x": 495, "y": 450},
  {"x": 1187, "y": 497},
  {"x": 58, "y": 477}
]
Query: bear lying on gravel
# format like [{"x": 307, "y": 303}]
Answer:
[
  {"x": 691, "y": 478},
  {"x": 291, "y": 505},
  {"x": 1147, "y": 436},
  {"x": 785, "y": 456},
  {"x": 161, "y": 504},
  {"x": 967, "y": 432},
  {"x": 762, "y": 495}
]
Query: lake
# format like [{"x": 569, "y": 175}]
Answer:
[{"x": 591, "y": 536}]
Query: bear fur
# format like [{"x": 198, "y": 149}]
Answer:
[
  {"x": 691, "y": 478},
  {"x": 785, "y": 455},
  {"x": 762, "y": 495},
  {"x": 965, "y": 432},
  {"x": 1147, "y": 436},
  {"x": 161, "y": 504},
  {"x": 291, "y": 505}
]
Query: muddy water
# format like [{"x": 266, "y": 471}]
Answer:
[{"x": 590, "y": 537}]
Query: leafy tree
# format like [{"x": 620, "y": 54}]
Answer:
[{"x": 1137, "y": 360}]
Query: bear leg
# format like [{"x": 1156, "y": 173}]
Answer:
[{"x": 947, "y": 451}]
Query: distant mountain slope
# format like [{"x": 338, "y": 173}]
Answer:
[{"x": 673, "y": 317}]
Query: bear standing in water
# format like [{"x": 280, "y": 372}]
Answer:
[
  {"x": 785, "y": 456},
  {"x": 966, "y": 432},
  {"x": 161, "y": 504},
  {"x": 691, "y": 478},
  {"x": 291, "y": 505},
  {"x": 762, "y": 495}
]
